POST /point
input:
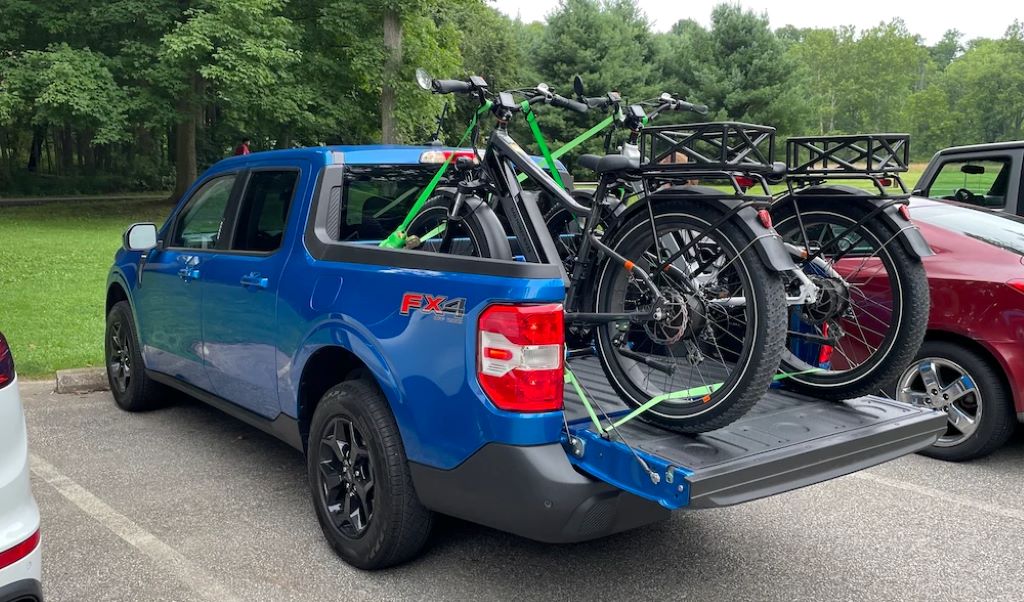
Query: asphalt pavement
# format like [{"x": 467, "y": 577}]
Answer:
[{"x": 185, "y": 503}]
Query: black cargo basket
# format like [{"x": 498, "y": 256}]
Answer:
[
  {"x": 725, "y": 146},
  {"x": 848, "y": 155}
]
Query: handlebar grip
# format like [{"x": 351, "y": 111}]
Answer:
[
  {"x": 449, "y": 86},
  {"x": 566, "y": 103},
  {"x": 699, "y": 109},
  {"x": 597, "y": 102}
]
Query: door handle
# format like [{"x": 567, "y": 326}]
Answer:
[
  {"x": 254, "y": 279},
  {"x": 188, "y": 274}
]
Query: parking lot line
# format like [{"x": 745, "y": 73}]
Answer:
[
  {"x": 938, "y": 494},
  {"x": 201, "y": 583}
]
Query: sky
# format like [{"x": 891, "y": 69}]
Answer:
[{"x": 929, "y": 19}]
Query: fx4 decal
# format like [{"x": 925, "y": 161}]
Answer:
[{"x": 439, "y": 306}]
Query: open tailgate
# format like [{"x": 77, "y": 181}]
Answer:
[{"x": 785, "y": 442}]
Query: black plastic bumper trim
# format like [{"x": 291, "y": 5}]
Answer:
[
  {"x": 532, "y": 492},
  {"x": 26, "y": 590}
]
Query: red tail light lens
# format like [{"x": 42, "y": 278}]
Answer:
[
  {"x": 439, "y": 156},
  {"x": 745, "y": 182},
  {"x": 23, "y": 549},
  {"x": 521, "y": 350},
  {"x": 6, "y": 362}
]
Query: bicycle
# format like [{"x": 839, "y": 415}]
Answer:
[{"x": 687, "y": 308}]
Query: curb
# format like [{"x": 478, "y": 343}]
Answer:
[{"x": 82, "y": 380}]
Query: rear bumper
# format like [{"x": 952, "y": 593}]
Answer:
[
  {"x": 21, "y": 581},
  {"x": 27, "y": 590},
  {"x": 533, "y": 492}
]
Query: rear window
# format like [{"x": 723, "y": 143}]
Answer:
[
  {"x": 977, "y": 182},
  {"x": 377, "y": 199},
  {"x": 1001, "y": 230}
]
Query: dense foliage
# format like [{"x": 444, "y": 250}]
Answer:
[{"x": 144, "y": 93}]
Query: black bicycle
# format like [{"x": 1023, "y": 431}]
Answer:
[{"x": 684, "y": 298}]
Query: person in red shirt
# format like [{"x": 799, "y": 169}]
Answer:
[{"x": 243, "y": 148}]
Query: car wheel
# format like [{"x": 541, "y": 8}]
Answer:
[
  {"x": 360, "y": 481},
  {"x": 133, "y": 391},
  {"x": 969, "y": 388}
]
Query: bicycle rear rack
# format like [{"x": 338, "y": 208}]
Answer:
[{"x": 880, "y": 158}]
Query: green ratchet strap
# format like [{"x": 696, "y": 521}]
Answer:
[
  {"x": 396, "y": 240},
  {"x": 550, "y": 157},
  {"x": 694, "y": 392}
]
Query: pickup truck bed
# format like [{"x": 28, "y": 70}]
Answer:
[{"x": 786, "y": 441}]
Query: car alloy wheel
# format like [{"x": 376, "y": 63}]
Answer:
[
  {"x": 346, "y": 477},
  {"x": 119, "y": 356},
  {"x": 943, "y": 384}
]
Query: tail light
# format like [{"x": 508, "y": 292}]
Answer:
[
  {"x": 6, "y": 362},
  {"x": 765, "y": 218},
  {"x": 885, "y": 181},
  {"x": 1017, "y": 285},
  {"x": 745, "y": 182},
  {"x": 521, "y": 351},
  {"x": 23, "y": 549}
]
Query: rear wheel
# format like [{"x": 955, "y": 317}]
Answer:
[
  {"x": 360, "y": 481},
  {"x": 715, "y": 351},
  {"x": 476, "y": 232},
  {"x": 968, "y": 387},
  {"x": 873, "y": 311}
]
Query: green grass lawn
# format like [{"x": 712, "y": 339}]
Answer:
[{"x": 53, "y": 269}]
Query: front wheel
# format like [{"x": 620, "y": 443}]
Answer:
[
  {"x": 360, "y": 481},
  {"x": 475, "y": 232},
  {"x": 713, "y": 354},
  {"x": 132, "y": 389},
  {"x": 872, "y": 314}
]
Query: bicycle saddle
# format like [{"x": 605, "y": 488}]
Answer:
[{"x": 607, "y": 163}]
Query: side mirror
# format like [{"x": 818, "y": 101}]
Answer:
[
  {"x": 139, "y": 237},
  {"x": 577, "y": 86}
]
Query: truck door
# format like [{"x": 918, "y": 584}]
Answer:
[
  {"x": 240, "y": 300},
  {"x": 169, "y": 301}
]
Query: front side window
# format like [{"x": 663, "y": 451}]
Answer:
[
  {"x": 978, "y": 182},
  {"x": 264, "y": 211},
  {"x": 200, "y": 223}
]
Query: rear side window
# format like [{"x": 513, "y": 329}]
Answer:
[
  {"x": 264, "y": 211},
  {"x": 200, "y": 222},
  {"x": 376, "y": 200},
  {"x": 978, "y": 182}
]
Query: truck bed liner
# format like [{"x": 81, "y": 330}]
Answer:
[{"x": 785, "y": 441}]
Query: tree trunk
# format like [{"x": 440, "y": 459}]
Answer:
[
  {"x": 185, "y": 143},
  {"x": 393, "y": 62},
  {"x": 36, "y": 150}
]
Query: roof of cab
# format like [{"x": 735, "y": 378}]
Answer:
[
  {"x": 367, "y": 154},
  {"x": 987, "y": 146}
]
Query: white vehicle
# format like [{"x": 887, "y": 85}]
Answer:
[{"x": 20, "y": 560}]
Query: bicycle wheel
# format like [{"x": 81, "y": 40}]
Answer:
[
  {"x": 716, "y": 350},
  {"x": 872, "y": 314},
  {"x": 476, "y": 233}
]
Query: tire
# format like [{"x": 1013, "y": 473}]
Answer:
[
  {"x": 990, "y": 403},
  {"x": 132, "y": 390},
  {"x": 867, "y": 368},
  {"x": 385, "y": 524},
  {"x": 748, "y": 361},
  {"x": 478, "y": 234}
]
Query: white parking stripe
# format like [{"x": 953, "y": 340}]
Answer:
[
  {"x": 194, "y": 578},
  {"x": 938, "y": 494}
]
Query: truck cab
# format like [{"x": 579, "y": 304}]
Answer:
[
  {"x": 984, "y": 175},
  {"x": 418, "y": 383}
]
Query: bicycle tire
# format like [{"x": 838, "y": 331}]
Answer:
[{"x": 478, "y": 234}]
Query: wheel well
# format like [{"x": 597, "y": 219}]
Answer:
[
  {"x": 957, "y": 339},
  {"x": 115, "y": 294},
  {"x": 327, "y": 367}
]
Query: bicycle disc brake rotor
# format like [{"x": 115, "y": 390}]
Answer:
[{"x": 671, "y": 328}]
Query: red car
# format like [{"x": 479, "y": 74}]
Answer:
[{"x": 972, "y": 360}]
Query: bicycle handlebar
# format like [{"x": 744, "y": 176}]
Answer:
[
  {"x": 682, "y": 105},
  {"x": 450, "y": 86},
  {"x": 567, "y": 103}
]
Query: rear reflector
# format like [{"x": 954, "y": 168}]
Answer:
[
  {"x": 905, "y": 212},
  {"x": 6, "y": 362},
  {"x": 521, "y": 350},
  {"x": 765, "y": 217},
  {"x": 23, "y": 549},
  {"x": 745, "y": 182}
]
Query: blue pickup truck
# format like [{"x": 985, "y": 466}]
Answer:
[{"x": 266, "y": 295}]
